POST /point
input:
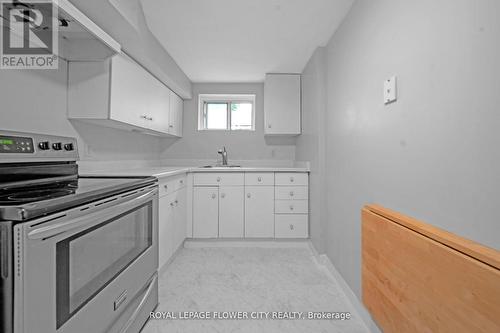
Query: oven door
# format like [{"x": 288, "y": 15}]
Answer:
[{"x": 78, "y": 270}]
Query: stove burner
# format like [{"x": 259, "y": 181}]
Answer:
[{"x": 39, "y": 195}]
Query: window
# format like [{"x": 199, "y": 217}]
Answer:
[{"x": 226, "y": 112}]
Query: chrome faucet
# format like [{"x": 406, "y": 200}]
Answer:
[{"x": 223, "y": 152}]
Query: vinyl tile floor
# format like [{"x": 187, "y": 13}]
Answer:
[{"x": 250, "y": 281}]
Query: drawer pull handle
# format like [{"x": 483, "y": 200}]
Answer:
[
  {"x": 259, "y": 179},
  {"x": 291, "y": 193},
  {"x": 292, "y": 179},
  {"x": 218, "y": 179},
  {"x": 119, "y": 301},
  {"x": 291, "y": 207},
  {"x": 213, "y": 196},
  {"x": 223, "y": 195},
  {"x": 291, "y": 227},
  {"x": 249, "y": 195}
]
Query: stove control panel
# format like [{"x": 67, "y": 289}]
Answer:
[
  {"x": 18, "y": 146},
  {"x": 13, "y": 144}
]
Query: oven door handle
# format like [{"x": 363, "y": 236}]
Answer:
[{"x": 89, "y": 219}]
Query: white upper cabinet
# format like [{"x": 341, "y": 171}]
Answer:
[
  {"x": 282, "y": 104},
  {"x": 120, "y": 93},
  {"x": 176, "y": 113}
]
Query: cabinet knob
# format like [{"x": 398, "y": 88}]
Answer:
[
  {"x": 249, "y": 195},
  {"x": 213, "y": 196},
  {"x": 291, "y": 227},
  {"x": 223, "y": 195},
  {"x": 291, "y": 207},
  {"x": 171, "y": 126},
  {"x": 171, "y": 204},
  {"x": 269, "y": 126},
  {"x": 218, "y": 179},
  {"x": 181, "y": 181},
  {"x": 259, "y": 179},
  {"x": 165, "y": 186},
  {"x": 291, "y": 193},
  {"x": 292, "y": 179},
  {"x": 176, "y": 202}
]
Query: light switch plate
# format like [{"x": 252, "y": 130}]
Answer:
[{"x": 390, "y": 90}]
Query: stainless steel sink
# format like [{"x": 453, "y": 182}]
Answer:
[{"x": 221, "y": 166}]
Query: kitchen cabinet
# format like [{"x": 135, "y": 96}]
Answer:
[
  {"x": 171, "y": 217},
  {"x": 120, "y": 93},
  {"x": 176, "y": 114},
  {"x": 259, "y": 212},
  {"x": 165, "y": 229},
  {"x": 231, "y": 211},
  {"x": 228, "y": 204},
  {"x": 282, "y": 104},
  {"x": 291, "y": 226},
  {"x": 180, "y": 218},
  {"x": 206, "y": 212},
  {"x": 291, "y": 205}
]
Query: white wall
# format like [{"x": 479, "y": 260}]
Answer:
[
  {"x": 241, "y": 145},
  {"x": 311, "y": 144},
  {"x": 432, "y": 155},
  {"x": 36, "y": 101}
]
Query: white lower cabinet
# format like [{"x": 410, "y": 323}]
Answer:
[
  {"x": 171, "y": 218},
  {"x": 165, "y": 229},
  {"x": 231, "y": 212},
  {"x": 249, "y": 205},
  {"x": 180, "y": 217},
  {"x": 291, "y": 226},
  {"x": 206, "y": 212},
  {"x": 259, "y": 211}
]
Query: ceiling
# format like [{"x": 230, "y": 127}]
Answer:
[{"x": 241, "y": 40}]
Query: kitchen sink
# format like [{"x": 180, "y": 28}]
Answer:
[{"x": 221, "y": 166}]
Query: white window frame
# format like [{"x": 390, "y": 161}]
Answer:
[{"x": 224, "y": 98}]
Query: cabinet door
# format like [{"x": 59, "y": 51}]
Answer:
[
  {"x": 259, "y": 211},
  {"x": 129, "y": 91},
  {"x": 180, "y": 218},
  {"x": 137, "y": 97},
  {"x": 282, "y": 104},
  {"x": 231, "y": 211},
  {"x": 158, "y": 115},
  {"x": 206, "y": 212},
  {"x": 176, "y": 113},
  {"x": 165, "y": 229}
]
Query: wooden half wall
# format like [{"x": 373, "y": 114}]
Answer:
[{"x": 419, "y": 278}]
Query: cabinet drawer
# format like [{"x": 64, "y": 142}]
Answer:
[
  {"x": 257, "y": 178},
  {"x": 226, "y": 178},
  {"x": 291, "y": 178},
  {"x": 291, "y": 192},
  {"x": 171, "y": 184},
  {"x": 291, "y": 226},
  {"x": 291, "y": 207}
]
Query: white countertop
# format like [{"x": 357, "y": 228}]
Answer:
[{"x": 166, "y": 171}]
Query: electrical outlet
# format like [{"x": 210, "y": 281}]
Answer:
[{"x": 390, "y": 90}]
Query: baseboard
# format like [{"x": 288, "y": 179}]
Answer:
[
  {"x": 323, "y": 260},
  {"x": 256, "y": 243}
]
